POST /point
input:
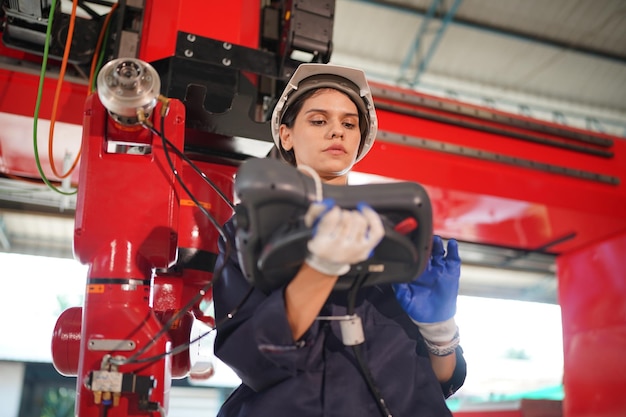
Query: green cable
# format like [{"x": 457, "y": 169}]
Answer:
[{"x": 38, "y": 104}]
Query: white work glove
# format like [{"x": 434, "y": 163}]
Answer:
[{"x": 341, "y": 237}]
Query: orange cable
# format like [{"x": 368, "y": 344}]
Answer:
[
  {"x": 66, "y": 53},
  {"x": 96, "y": 54},
  {"x": 68, "y": 43}
]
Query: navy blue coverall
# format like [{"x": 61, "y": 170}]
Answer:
[{"x": 318, "y": 375}]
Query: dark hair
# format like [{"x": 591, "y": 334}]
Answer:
[{"x": 289, "y": 119}]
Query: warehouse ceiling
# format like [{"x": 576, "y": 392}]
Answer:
[{"x": 560, "y": 60}]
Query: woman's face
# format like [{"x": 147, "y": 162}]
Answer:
[{"x": 325, "y": 135}]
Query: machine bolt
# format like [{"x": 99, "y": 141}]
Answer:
[
  {"x": 188, "y": 53},
  {"x": 191, "y": 38}
]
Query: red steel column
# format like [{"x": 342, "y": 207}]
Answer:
[{"x": 592, "y": 291}]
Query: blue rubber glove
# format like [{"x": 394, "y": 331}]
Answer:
[{"x": 430, "y": 299}]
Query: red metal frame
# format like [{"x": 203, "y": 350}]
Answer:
[
  {"x": 18, "y": 95},
  {"x": 233, "y": 22},
  {"x": 501, "y": 204},
  {"x": 592, "y": 290}
]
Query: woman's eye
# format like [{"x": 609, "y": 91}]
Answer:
[
  {"x": 317, "y": 122},
  {"x": 349, "y": 125}
]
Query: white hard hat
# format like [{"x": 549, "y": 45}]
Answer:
[{"x": 350, "y": 81}]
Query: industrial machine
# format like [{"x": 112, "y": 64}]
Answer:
[{"x": 182, "y": 90}]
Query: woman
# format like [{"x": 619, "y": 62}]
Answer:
[{"x": 287, "y": 346}]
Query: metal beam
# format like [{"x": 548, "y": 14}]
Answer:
[
  {"x": 5, "y": 243},
  {"x": 435, "y": 43},
  {"x": 418, "y": 39}
]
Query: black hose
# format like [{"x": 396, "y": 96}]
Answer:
[{"x": 365, "y": 371}]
